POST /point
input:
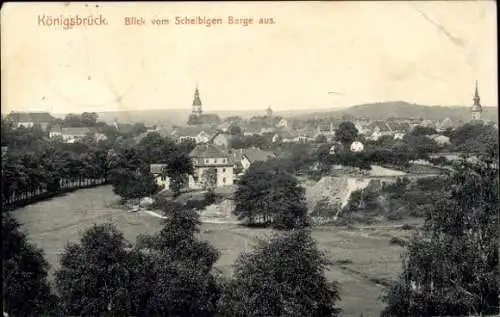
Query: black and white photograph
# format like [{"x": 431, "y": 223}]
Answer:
[{"x": 250, "y": 159}]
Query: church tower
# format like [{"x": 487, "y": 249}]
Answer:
[
  {"x": 196, "y": 110},
  {"x": 476, "y": 107},
  {"x": 269, "y": 111}
]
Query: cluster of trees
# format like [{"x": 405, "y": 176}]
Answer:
[
  {"x": 34, "y": 166},
  {"x": 395, "y": 201},
  {"x": 474, "y": 138},
  {"x": 269, "y": 195},
  {"x": 129, "y": 167},
  {"x": 451, "y": 267},
  {"x": 170, "y": 273},
  {"x": 86, "y": 119}
]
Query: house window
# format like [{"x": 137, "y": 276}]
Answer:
[
  {"x": 206, "y": 161},
  {"x": 223, "y": 170}
]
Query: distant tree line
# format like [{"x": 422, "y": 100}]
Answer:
[{"x": 35, "y": 167}]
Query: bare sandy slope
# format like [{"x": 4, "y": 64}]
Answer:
[{"x": 365, "y": 254}]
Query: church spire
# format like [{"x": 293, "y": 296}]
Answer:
[
  {"x": 476, "y": 96},
  {"x": 476, "y": 107},
  {"x": 196, "y": 110},
  {"x": 269, "y": 111}
]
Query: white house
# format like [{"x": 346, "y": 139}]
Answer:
[
  {"x": 399, "y": 136},
  {"x": 72, "y": 135},
  {"x": 196, "y": 134},
  {"x": 440, "y": 139},
  {"x": 157, "y": 171},
  {"x": 357, "y": 147},
  {"x": 246, "y": 157},
  {"x": 283, "y": 123},
  {"x": 30, "y": 119},
  {"x": 333, "y": 149},
  {"x": 210, "y": 156},
  {"x": 204, "y": 157}
]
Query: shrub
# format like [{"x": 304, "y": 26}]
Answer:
[
  {"x": 195, "y": 204},
  {"x": 398, "y": 241},
  {"x": 209, "y": 197}
]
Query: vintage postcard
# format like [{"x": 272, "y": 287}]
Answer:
[{"x": 277, "y": 158}]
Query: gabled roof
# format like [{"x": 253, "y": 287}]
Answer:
[
  {"x": 208, "y": 151},
  {"x": 220, "y": 135},
  {"x": 237, "y": 154},
  {"x": 157, "y": 168},
  {"x": 399, "y": 126},
  {"x": 192, "y": 131},
  {"x": 255, "y": 154},
  {"x": 35, "y": 117}
]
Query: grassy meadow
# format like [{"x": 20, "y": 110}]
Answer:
[{"x": 364, "y": 259}]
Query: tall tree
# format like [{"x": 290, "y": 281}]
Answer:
[
  {"x": 94, "y": 279},
  {"x": 281, "y": 277},
  {"x": 209, "y": 178},
  {"x": 178, "y": 281},
  {"x": 346, "y": 133},
  {"x": 89, "y": 119},
  {"x": 178, "y": 169},
  {"x": 452, "y": 266},
  {"x": 130, "y": 175},
  {"x": 152, "y": 148},
  {"x": 234, "y": 130},
  {"x": 268, "y": 194}
]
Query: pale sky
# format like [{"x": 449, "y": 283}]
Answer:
[{"x": 428, "y": 53}]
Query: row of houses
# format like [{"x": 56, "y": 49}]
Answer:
[
  {"x": 71, "y": 135},
  {"x": 372, "y": 130}
]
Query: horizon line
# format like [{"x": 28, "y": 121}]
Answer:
[{"x": 188, "y": 109}]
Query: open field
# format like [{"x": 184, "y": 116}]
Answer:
[{"x": 364, "y": 258}]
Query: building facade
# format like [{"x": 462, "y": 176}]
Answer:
[{"x": 207, "y": 157}]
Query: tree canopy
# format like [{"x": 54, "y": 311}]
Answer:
[
  {"x": 283, "y": 276},
  {"x": 346, "y": 133},
  {"x": 26, "y": 291},
  {"x": 267, "y": 194},
  {"x": 451, "y": 267}
]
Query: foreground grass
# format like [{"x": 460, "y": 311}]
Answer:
[{"x": 364, "y": 259}]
